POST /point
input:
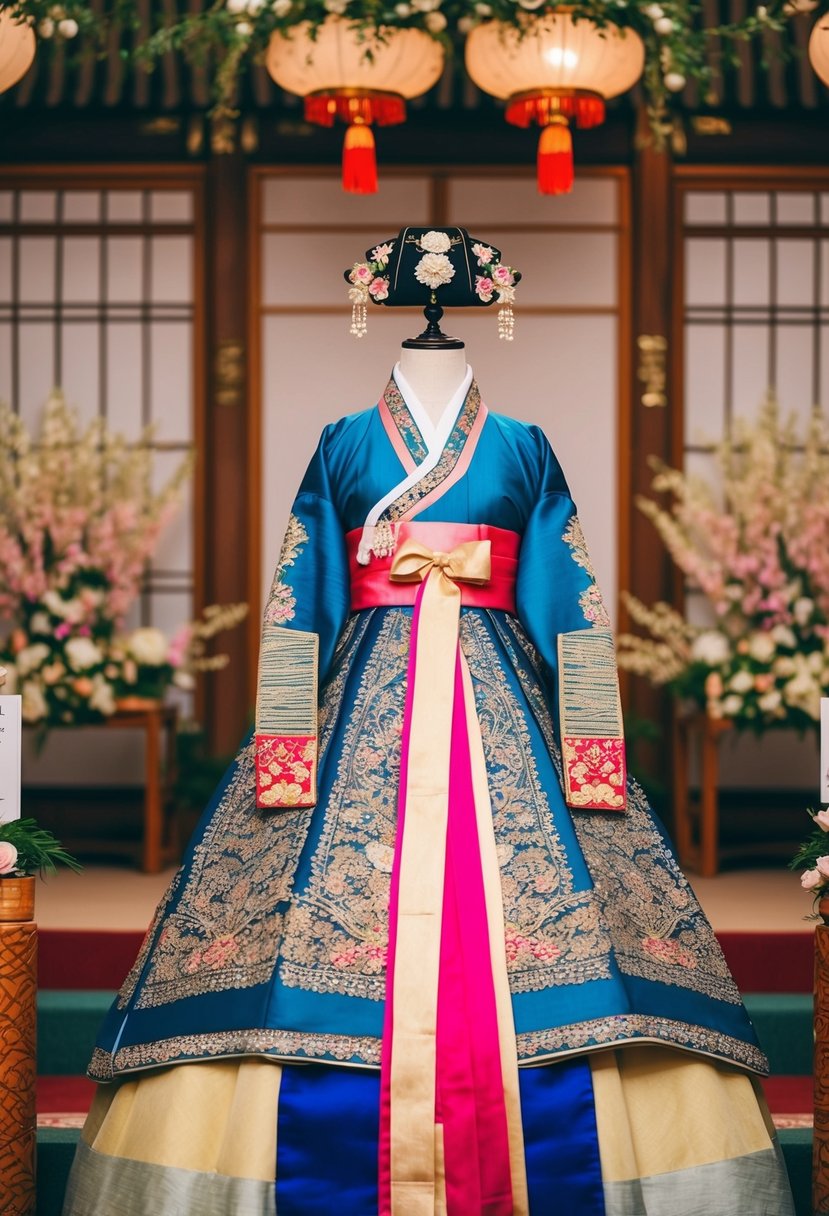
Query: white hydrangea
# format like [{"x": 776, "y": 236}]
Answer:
[
  {"x": 102, "y": 697},
  {"x": 433, "y": 242},
  {"x": 803, "y": 609},
  {"x": 711, "y": 648},
  {"x": 82, "y": 653},
  {"x": 742, "y": 682},
  {"x": 784, "y": 636},
  {"x": 30, "y": 658},
  {"x": 148, "y": 646},
  {"x": 762, "y": 647},
  {"x": 40, "y": 623},
  {"x": 33, "y": 705},
  {"x": 434, "y": 270}
]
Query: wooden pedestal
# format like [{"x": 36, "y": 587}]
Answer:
[
  {"x": 702, "y": 856},
  {"x": 820, "y": 1140},
  {"x": 18, "y": 1122}
]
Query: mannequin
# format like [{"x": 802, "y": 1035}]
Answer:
[{"x": 434, "y": 374}]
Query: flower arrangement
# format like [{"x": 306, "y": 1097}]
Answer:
[
  {"x": 27, "y": 849},
  {"x": 813, "y": 857},
  {"x": 234, "y": 34},
  {"x": 367, "y": 279},
  {"x": 498, "y": 280},
  {"x": 78, "y": 524},
  {"x": 756, "y": 547}
]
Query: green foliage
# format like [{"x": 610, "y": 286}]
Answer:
[{"x": 37, "y": 849}]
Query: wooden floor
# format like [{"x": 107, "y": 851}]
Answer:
[{"x": 120, "y": 897}]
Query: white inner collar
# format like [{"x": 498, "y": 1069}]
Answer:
[{"x": 434, "y": 436}]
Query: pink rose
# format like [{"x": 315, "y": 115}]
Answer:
[
  {"x": 810, "y": 879},
  {"x": 503, "y": 276},
  {"x": 379, "y": 288},
  {"x": 63, "y": 630},
  {"x": 484, "y": 288},
  {"x": 822, "y": 865},
  {"x": 822, "y": 820},
  {"x": 361, "y": 273},
  {"x": 8, "y": 857}
]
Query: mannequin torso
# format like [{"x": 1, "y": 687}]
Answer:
[{"x": 435, "y": 375}]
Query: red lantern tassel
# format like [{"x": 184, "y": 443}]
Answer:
[
  {"x": 359, "y": 160},
  {"x": 555, "y": 157}
]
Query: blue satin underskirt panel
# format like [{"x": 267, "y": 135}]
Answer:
[{"x": 326, "y": 1155}]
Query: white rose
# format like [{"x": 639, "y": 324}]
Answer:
[
  {"x": 762, "y": 647},
  {"x": 33, "y": 706},
  {"x": 784, "y": 666},
  {"x": 102, "y": 698},
  {"x": 742, "y": 682},
  {"x": 40, "y": 623},
  {"x": 803, "y": 693},
  {"x": 435, "y": 22},
  {"x": 54, "y": 602},
  {"x": 783, "y": 636},
  {"x": 803, "y": 609},
  {"x": 433, "y": 242},
  {"x": 31, "y": 657},
  {"x": 711, "y": 648},
  {"x": 148, "y": 646},
  {"x": 403, "y": 10},
  {"x": 814, "y": 663},
  {"x": 82, "y": 653},
  {"x": 434, "y": 269},
  {"x": 336, "y": 6},
  {"x": 281, "y": 8},
  {"x": 770, "y": 701},
  {"x": 731, "y": 705}
]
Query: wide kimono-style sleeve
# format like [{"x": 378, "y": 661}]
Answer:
[
  {"x": 307, "y": 609},
  {"x": 560, "y": 606}
]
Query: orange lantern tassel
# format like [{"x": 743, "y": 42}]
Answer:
[
  {"x": 359, "y": 160},
  {"x": 555, "y": 157}
]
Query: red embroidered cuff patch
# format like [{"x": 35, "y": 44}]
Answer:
[
  {"x": 286, "y": 770},
  {"x": 594, "y": 773}
]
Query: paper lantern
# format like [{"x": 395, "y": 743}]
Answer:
[
  {"x": 359, "y": 76},
  {"x": 17, "y": 49},
  {"x": 819, "y": 48},
  {"x": 555, "y": 70}
]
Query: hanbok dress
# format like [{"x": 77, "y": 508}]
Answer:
[{"x": 429, "y": 951}]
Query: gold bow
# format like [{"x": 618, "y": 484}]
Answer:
[{"x": 470, "y": 562}]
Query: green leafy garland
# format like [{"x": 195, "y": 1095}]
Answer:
[{"x": 229, "y": 35}]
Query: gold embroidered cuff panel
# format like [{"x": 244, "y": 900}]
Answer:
[
  {"x": 590, "y": 720},
  {"x": 286, "y": 718}
]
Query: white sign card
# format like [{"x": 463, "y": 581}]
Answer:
[
  {"x": 10, "y": 750},
  {"x": 824, "y": 749}
]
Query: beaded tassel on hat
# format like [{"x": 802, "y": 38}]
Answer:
[{"x": 506, "y": 322}]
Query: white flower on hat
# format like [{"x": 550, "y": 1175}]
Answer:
[
  {"x": 434, "y": 270},
  {"x": 435, "y": 242}
]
